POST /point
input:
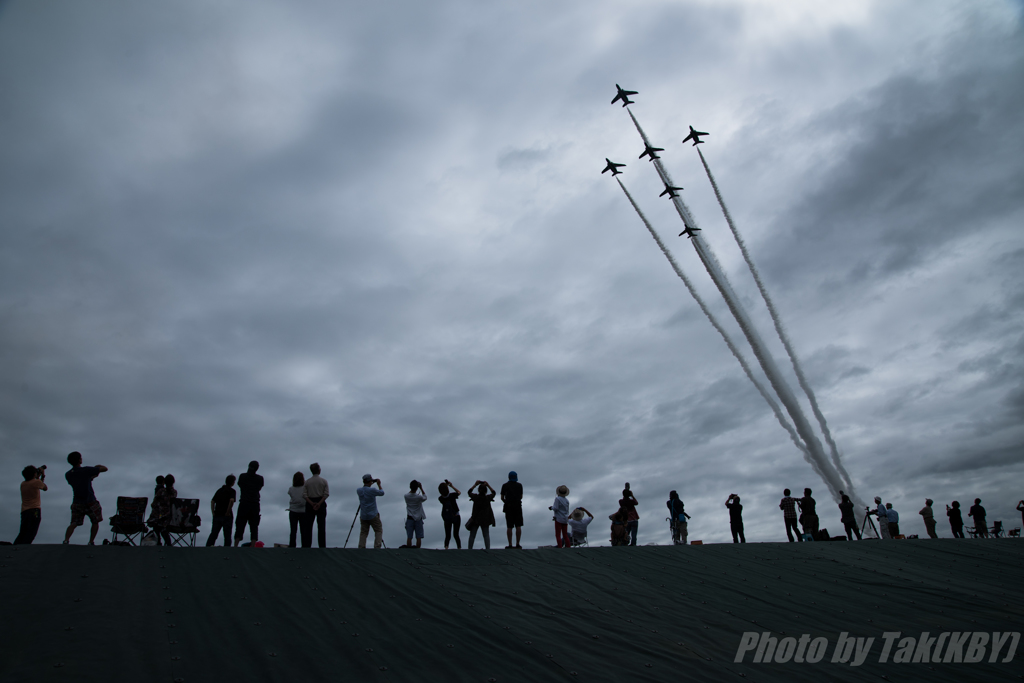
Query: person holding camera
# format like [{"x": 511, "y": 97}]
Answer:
[
  {"x": 628, "y": 503},
  {"x": 368, "y": 515},
  {"x": 883, "y": 518},
  {"x": 482, "y": 517},
  {"x": 84, "y": 502},
  {"x": 677, "y": 518},
  {"x": 788, "y": 507},
  {"x": 414, "y": 514},
  {"x": 735, "y": 518},
  {"x": 450, "y": 512},
  {"x": 808, "y": 514},
  {"x": 31, "y": 503}
]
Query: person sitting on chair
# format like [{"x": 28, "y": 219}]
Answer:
[{"x": 578, "y": 525}]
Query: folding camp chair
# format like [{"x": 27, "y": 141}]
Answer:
[
  {"x": 997, "y": 530},
  {"x": 130, "y": 520},
  {"x": 184, "y": 522},
  {"x": 1014, "y": 533},
  {"x": 580, "y": 542},
  {"x": 971, "y": 531}
]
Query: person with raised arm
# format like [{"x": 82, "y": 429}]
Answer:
[
  {"x": 369, "y": 517},
  {"x": 482, "y": 517},
  {"x": 83, "y": 502}
]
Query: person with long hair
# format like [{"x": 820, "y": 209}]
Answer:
[
  {"x": 450, "y": 512},
  {"x": 296, "y": 507},
  {"x": 848, "y": 519}
]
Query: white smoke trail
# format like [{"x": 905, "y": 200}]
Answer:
[
  {"x": 714, "y": 323},
  {"x": 777, "y": 320},
  {"x": 824, "y": 468}
]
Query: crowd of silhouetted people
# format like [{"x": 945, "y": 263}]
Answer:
[{"x": 308, "y": 508}]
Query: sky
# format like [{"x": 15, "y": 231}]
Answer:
[{"x": 376, "y": 237}]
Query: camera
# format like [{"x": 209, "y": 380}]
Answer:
[{"x": 41, "y": 472}]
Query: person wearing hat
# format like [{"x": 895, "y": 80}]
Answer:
[
  {"x": 368, "y": 515},
  {"x": 579, "y": 525},
  {"x": 512, "y": 497},
  {"x": 560, "y": 508}
]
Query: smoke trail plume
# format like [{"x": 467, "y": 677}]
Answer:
[
  {"x": 777, "y": 320},
  {"x": 824, "y": 468},
  {"x": 714, "y": 323}
]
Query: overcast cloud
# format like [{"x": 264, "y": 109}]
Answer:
[{"x": 376, "y": 237}]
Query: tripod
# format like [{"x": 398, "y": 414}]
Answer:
[
  {"x": 352, "y": 526},
  {"x": 868, "y": 522}
]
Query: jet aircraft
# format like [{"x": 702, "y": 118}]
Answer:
[
  {"x": 650, "y": 151},
  {"x": 689, "y": 232},
  {"x": 613, "y": 167},
  {"x": 695, "y": 136},
  {"x": 670, "y": 191},
  {"x": 623, "y": 95}
]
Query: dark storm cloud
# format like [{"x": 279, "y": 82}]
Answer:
[{"x": 377, "y": 238}]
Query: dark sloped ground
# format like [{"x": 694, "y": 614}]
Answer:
[{"x": 75, "y": 613}]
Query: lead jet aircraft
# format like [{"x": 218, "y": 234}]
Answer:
[
  {"x": 623, "y": 95},
  {"x": 613, "y": 167},
  {"x": 695, "y": 136},
  {"x": 670, "y": 191},
  {"x": 688, "y": 231},
  {"x": 650, "y": 151}
]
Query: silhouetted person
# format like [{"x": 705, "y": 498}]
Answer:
[
  {"x": 31, "y": 504},
  {"x": 848, "y": 518},
  {"x": 317, "y": 493},
  {"x": 512, "y": 497},
  {"x": 956, "y": 520},
  {"x": 578, "y": 525},
  {"x": 735, "y": 518},
  {"x": 560, "y": 511},
  {"x": 788, "y": 507},
  {"x": 808, "y": 514},
  {"x": 369, "y": 517},
  {"x": 414, "y": 514},
  {"x": 296, "y": 509},
  {"x": 883, "y": 518},
  {"x": 1020, "y": 508},
  {"x": 929, "y": 518},
  {"x": 978, "y": 514},
  {"x": 620, "y": 529},
  {"x": 893, "y": 518},
  {"x": 628, "y": 502},
  {"x": 677, "y": 518},
  {"x": 83, "y": 502},
  {"x": 450, "y": 512},
  {"x": 482, "y": 515},
  {"x": 222, "y": 506},
  {"x": 249, "y": 485}
]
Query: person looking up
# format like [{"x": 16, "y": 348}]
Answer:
[
  {"x": 929, "y": 518},
  {"x": 31, "y": 504},
  {"x": 222, "y": 506},
  {"x": 628, "y": 503},
  {"x": 848, "y": 518},
  {"x": 368, "y": 515},
  {"x": 980, "y": 523},
  {"x": 83, "y": 502},
  {"x": 578, "y": 525},
  {"x": 414, "y": 514},
  {"x": 808, "y": 514},
  {"x": 788, "y": 507},
  {"x": 249, "y": 484},
  {"x": 296, "y": 508},
  {"x": 317, "y": 493},
  {"x": 512, "y": 497},
  {"x": 735, "y": 518},
  {"x": 450, "y": 512},
  {"x": 482, "y": 517},
  {"x": 956, "y": 520},
  {"x": 560, "y": 509}
]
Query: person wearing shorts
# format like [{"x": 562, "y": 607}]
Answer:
[
  {"x": 83, "y": 503},
  {"x": 512, "y": 497},
  {"x": 414, "y": 514}
]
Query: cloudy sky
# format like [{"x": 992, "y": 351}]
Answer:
[{"x": 376, "y": 236}]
